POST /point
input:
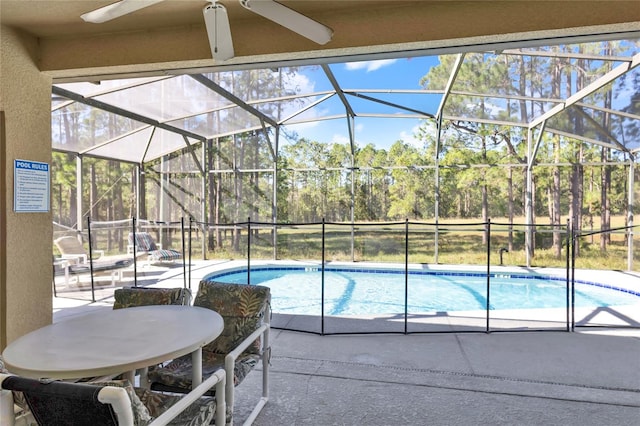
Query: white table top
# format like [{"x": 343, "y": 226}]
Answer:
[{"x": 112, "y": 341}]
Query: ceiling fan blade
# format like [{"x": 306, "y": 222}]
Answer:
[
  {"x": 219, "y": 32},
  {"x": 290, "y": 19},
  {"x": 116, "y": 10}
]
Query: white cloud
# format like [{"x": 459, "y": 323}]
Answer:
[
  {"x": 410, "y": 138},
  {"x": 490, "y": 107},
  {"x": 358, "y": 136},
  {"x": 302, "y": 127},
  {"x": 302, "y": 82},
  {"x": 369, "y": 65},
  {"x": 340, "y": 139},
  {"x": 298, "y": 83}
]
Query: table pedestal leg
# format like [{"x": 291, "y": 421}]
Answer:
[
  {"x": 196, "y": 362},
  {"x": 131, "y": 377},
  {"x": 144, "y": 378}
]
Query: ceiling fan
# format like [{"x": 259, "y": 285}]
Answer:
[{"x": 217, "y": 21}]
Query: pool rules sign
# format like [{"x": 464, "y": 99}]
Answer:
[{"x": 31, "y": 184}]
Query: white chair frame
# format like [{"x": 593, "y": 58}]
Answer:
[
  {"x": 121, "y": 404},
  {"x": 230, "y": 360}
]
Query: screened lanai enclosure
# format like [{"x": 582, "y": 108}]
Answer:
[{"x": 514, "y": 153}]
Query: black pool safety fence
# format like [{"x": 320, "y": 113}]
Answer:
[{"x": 475, "y": 257}]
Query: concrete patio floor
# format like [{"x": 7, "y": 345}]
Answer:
[
  {"x": 454, "y": 379},
  {"x": 512, "y": 378}
]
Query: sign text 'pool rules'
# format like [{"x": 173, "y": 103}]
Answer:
[{"x": 30, "y": 186}]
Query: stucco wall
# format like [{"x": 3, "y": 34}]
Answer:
[{"x": 25, "y": 238}]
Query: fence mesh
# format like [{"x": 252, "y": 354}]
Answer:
[{"x": 422, "y": 277}]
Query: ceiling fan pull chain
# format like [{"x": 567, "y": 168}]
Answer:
[{"x": 219, "y": 32}]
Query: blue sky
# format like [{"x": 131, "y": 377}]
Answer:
[{"x": 394, "y": 74}]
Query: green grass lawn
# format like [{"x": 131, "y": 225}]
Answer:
[{"x": 458, "y": 242}]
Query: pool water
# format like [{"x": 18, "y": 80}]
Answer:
[{"x": 349, "y": 292}]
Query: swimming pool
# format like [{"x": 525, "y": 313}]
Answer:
[{"x": 357, "y": 291}]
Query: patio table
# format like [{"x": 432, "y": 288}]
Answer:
[{"x": 109, "y": 342}]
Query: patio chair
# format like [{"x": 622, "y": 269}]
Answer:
[
  {"x": 72, "y": 250},
  {"x": 127, "y": 297},
  {"x": 58, "y": 403},
  {"x": 243, "y": 342},
  {"x": 145, "y": 244}
]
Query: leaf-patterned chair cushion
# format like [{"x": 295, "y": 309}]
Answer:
[
  {"x": 148, "y": 405},
  {"x": 176, "y": 375},
  {"x": 127, "y": 297},
  {"x": 242, "y": 308},
  {"x": 141, "y": 416},
  {"x": 200, "y": 413}
]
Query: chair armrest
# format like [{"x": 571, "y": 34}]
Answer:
[
  {"x": 119, "y": 401},
  {"x": 138, "y": 250},
  {"x": 75, "y": 258},
  {"x": 229, "y": 367},
  {"x": 219, "y": 380},
  {"x": 234, "y": 354},
  {"x": 99, "y": 252}
]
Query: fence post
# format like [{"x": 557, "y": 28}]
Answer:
[
  {"x": 184, "y": 254},
  {"x": 353, "y": 238},
  {"x": 135, "y": 257},
  {"x": 568, "y": 260},
  {"x": 274, "y": 232},
  {"x": 93, "y": 295},
  {"x": 488, "y": 230},
  {"x": 190, "y": 239},
  {"x": 322, "y": 282},
  {"x": 630, "y": 202},
  {"x": 573, "y": 277},
  {"x": 249, "y": 250},
  {"x": 406, "y": 273}
]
